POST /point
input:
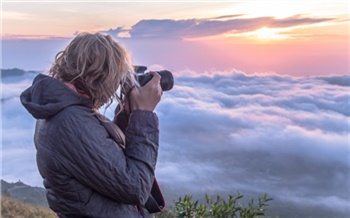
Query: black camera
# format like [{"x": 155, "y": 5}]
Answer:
[{"x": 166, "y": 80}]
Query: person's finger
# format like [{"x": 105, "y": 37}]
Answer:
[
  {"x": 156, "y": 77},
  {"x": 155, "y": 74}
]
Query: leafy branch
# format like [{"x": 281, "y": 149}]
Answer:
[{"x": 217, "y": 208}]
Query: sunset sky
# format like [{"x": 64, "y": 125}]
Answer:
[{"x": 285, "y": 37}]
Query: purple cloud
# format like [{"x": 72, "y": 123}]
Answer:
[{"x": 179, "y": 29}]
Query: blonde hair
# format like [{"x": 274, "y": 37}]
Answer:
[{"x": 96, "y": 65}]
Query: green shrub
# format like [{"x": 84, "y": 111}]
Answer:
[{"x": 217, "y": 208}]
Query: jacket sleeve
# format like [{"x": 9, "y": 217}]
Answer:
[{"x": 96, "y": 161}]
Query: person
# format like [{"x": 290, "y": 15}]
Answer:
[{"x": 90, "y": 166}]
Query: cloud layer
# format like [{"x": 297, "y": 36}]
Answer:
[
  {"x": 287, "y": 136},
  {"x": 229, "y": 132}
]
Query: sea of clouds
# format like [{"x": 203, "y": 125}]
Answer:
[{"x": 229, "y": 132}]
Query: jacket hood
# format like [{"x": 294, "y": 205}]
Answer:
[{"x": 47, "y": 96}]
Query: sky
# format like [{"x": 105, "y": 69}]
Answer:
[
  {"x": 260, "y": 102},
  {"x": 286, "y": 37}
]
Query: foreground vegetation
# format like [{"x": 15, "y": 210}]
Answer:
[
  {"x": 217, "y": 208},
  {"x": 11, "y": 208},
  {"x": 183, "y": 208}
]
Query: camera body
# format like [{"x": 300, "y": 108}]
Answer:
[{"x": 143, "y": 77}]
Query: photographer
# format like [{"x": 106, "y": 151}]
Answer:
[{"x": 90, "y": 167}]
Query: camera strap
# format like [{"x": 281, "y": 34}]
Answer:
[
  {"x": 113, "y": 130},
  {"x": 155, "y": 202}
]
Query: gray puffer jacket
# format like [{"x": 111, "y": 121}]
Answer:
[{"x": 85, "y": 171}]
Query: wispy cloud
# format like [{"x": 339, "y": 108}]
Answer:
[
  {"x": 116, "y": 32},
  {"x": 32, "y": 37},
  {"x": 180, "y": 29}
]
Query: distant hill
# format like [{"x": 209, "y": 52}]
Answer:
[
  {"x": 15, "y": 72},
  {"x": 24, "y": 193}
]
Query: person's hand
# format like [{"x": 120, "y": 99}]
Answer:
[{"x": 146, "y": 97}]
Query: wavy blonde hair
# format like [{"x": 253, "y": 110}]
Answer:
[{"x": 96, "y": 65}]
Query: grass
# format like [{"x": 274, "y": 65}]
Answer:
[{"x": 11, "y": 208}]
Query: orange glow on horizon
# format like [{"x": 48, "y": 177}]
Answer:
[{"x": 266, "y": 33}]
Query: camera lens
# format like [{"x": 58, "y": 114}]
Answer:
[{"x": 166, "y": 80}]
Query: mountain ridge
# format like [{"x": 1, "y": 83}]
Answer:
[
  {"x": 25, "y": 193},
  {"x": 15, "y": 72}
]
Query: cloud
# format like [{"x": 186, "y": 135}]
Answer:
[
  {"x": 287, "y": 136},
  {"x": 10, "y": 91},
  {"x": 179, "y": 29},
  {"x": 115, "y": 32},
  {"x": 33, "y": 37},
  {"x": 341, "y": 80},
  {"x": 297, "y": 20},
  {"x": 229, "y": 132}
]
